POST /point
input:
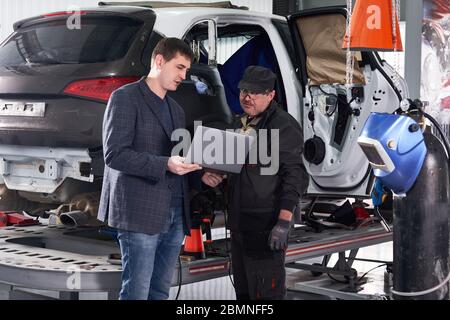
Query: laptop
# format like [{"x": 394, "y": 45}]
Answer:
[{"x": 219, "y": 150}]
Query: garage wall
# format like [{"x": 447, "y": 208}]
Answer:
[{"x": 14, "y": 10}]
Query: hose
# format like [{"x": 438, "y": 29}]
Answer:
[
  {"x": 438, "y": 127},
  {"x": 421, "y": 293}
]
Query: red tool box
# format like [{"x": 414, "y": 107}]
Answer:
[{"x": 16, "y": 219}]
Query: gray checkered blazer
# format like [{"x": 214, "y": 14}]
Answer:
[{"x": 136, "y": 190}]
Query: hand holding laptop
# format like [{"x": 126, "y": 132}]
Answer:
[
  {"x": 212, "y": 179},
  {"x": 176, "y": 165}
]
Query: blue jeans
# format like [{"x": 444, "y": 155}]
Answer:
[{"x": 148, "y": 261}]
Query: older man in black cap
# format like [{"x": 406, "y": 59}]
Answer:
[{"x": 261, "y": 203}]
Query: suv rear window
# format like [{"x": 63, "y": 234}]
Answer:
[{"x": 100, "y": 39}]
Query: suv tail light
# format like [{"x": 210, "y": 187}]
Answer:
[
  {"x": 100, "y": 89},
  {"x": 63, "y": 13}
]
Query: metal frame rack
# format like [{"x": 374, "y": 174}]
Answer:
[{"x": 74, "y": 260}]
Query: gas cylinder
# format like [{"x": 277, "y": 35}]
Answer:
[{"x": 421, "y": 229}]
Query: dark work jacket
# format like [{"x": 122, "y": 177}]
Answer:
[{"x": 255, "y": 200}]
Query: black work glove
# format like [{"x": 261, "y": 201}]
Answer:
[{"x": 278, "y": 237}]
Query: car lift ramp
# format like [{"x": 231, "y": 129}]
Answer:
[{"x": 74, "y": 260}]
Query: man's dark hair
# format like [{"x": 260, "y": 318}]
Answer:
[{"x": 169, "y": 47}]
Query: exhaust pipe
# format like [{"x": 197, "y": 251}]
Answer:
[
  {"x": 82, "y": 210},
  {"x": 75, "y": 218}
]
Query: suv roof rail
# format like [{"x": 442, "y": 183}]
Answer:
[{"x": 161, "y": 4}]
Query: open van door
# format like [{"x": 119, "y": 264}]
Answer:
[{"x": 333, "y": 114}]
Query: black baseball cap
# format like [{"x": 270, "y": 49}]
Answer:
[{"x": 257, "y": 79}]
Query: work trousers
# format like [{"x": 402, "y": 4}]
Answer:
[{"x": 258, "y": 272}]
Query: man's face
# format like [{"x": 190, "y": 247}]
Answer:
[
  {"x": 255, "y": 103},
  {"x": 172, "y": 71}
]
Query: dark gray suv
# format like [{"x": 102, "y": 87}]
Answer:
[{"x": 55, "y": 82}]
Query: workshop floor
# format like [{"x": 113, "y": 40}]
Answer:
[
  {"x": 221, "y": 288},
  {"x": 372, "y": 285}
]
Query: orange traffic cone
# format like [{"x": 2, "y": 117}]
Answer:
[
  {"x": 193, "y": 244},
  {"x": 372, "y": 28}
]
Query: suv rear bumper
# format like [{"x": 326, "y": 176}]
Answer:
[
  {"x": 64, "y": 122},
  {"x": 42, "y": 169}
]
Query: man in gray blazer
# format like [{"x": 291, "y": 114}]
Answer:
[{"x": 145, "y": 192}]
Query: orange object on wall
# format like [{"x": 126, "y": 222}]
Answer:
[{"x": 371, "y": 27}]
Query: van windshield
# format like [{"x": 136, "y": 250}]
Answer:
[{"x": 98, "y": 39}]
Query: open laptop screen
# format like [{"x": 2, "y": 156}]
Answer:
[{"x": 219, "y": 150}]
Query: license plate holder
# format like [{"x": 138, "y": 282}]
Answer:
[{"x": 22, "y": 109}]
